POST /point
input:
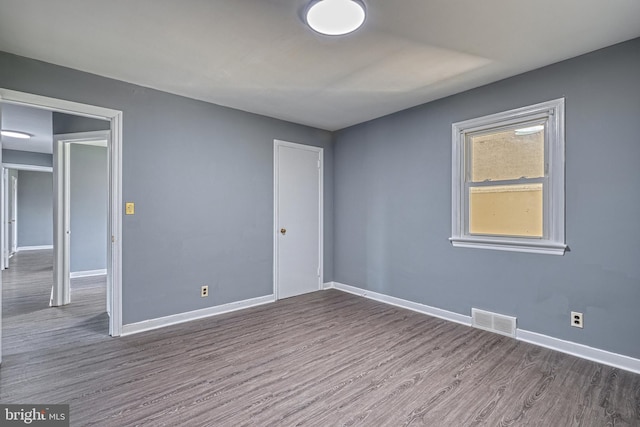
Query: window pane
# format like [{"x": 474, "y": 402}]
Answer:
[
  {"x": 508, "y": 154},
  {"x": 506, "y": 210}
]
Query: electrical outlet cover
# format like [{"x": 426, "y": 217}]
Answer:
[
  {"x": 130, "y": 208},
  {"x": 577, "y": 319}
]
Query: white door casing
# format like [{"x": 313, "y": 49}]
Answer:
[
  {"x": 114, "y": 254},
  {"x": 0, "y": 274},
  {"x": 61, "y": 292},
  {"x": 14, "y": 215},
  {"x": 5, "y": 218},
  {"x": 298, "y": 218}
]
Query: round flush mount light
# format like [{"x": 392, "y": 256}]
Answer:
[
  {"x": 335, "y": 17},
  {"x": 15, "y": 134}
]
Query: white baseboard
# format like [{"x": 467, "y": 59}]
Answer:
[
  {"x": 579, "y": 350},
  {"x": 87, "y": 273},
  {"x": 33, "y": 248},
  {"x": 399, "y": 302},
  {"x": 147, "y": 325}
]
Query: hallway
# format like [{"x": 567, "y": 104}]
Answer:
[{"x": 33, "y": 332}]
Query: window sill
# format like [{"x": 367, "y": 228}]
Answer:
[{"x": 498, "y": 244}]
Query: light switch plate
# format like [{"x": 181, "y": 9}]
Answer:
[{"x": 130, "y": 208}]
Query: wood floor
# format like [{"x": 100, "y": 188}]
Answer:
[{"x": 322, "y": 359}]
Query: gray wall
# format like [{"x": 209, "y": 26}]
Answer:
[
  {"x": 88, "y": 207},
  {"x": 35, "y": 208},
  {"x": 27, "y": 158},
  {"x": 201, "y": 176},
  {"x": 393, "y": 207},
  {"x": 69, "y": 123}
]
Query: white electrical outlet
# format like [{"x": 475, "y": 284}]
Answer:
[
  {"x": 577, "y": 319},
  {"x": 204, "y": 291}
]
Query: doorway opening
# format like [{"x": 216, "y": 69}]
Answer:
[
  {"x": 31, "y": 174},
  {"x": 81, "y": 181},
  {"x": 114, "y": 203}
]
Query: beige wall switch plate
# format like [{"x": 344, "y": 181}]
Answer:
[{"x": 130, "y": 208}]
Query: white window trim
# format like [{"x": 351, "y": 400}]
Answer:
[{"x": 554, "y": 239}]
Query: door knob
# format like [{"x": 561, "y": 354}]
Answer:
[{"x": 283, "y": 231}]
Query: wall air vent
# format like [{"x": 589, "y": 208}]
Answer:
[{"x": 493, "y": 322}]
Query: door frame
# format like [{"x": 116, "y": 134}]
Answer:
[
  {"x": 276, "y": 214},
  {"x": 13, "y": 244},
  {"x": 5, "y": 208},
  {"x": 114, "y": 254},
  {"x": 4, "y": 218},
  {"x": 61, "y": 294}
]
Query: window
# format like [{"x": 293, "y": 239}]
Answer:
[{"x": 508, "y": 180}]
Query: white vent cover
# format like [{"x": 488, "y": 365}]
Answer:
[{"x": 493, "y": 322}]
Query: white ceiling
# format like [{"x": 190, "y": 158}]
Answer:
[
  {"x": 258, "y": 56},
  {"x": 36, "y": 122}
]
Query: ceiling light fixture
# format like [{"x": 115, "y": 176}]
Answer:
[
  {"x": 335, "y": 17},
  {"x": 529, "y": 130},
  {"x": 15, "y": 134}
]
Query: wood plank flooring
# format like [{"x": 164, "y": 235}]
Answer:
[{"x": 321, "y": 359}]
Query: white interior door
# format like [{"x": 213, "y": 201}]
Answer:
[
  {"x": 14, "y": 215},
  {"x": 298, "y": 219},
  {"x": 60, "y": 290},
  {"x": 2, "y": 208},
  {"x": 66, "y": 214},
  {"x": 6, "y": 218}
]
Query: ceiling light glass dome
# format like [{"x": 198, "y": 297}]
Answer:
[
  {"x": 335, "y": 17},
  {"x": 15, "y": 134}
]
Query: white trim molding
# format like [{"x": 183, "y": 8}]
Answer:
[
  {"x": 568, "y": 347},
  {"x": 33, "y": 248},
  {"x": 62, "y": 209},
  {"x": 87, "y": 273},
  {"x": 403, "y": 303},
  {"x": 114, "y": 254},
  {"x": 161, "y": 322},
  {"x": 499, "y": 244},
  {"x": 580, "y": 350},
  {"x": 32, "y": 168},
  {"x": 549, "y": 116}
]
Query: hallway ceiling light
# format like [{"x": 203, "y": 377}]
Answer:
[
  {"x": 335, "y": 17},
  {"x": 15, "y": 134},
  {"x": 529, "y": 130}
]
